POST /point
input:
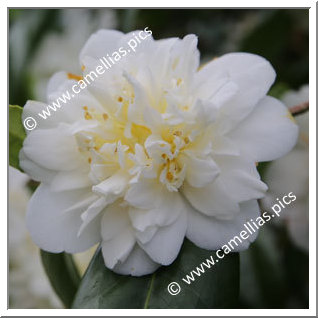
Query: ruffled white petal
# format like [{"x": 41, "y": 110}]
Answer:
[
  {"x": 146, "y": 235},
  {"x": 92, "y": 212},
  {"x": 165, "y": 245},
  {"x": 115, "y": 220},
  {"x": 200, "y": 172},
  {"x": 53, "y": 228},
  {"x": 35, "y": 171},
  {"x": 116, "y": 250},
  {"x": 53, "y": 149},
  {"x": 243, "y": 70},
  {"x": 268, "y": 133},
  {"x": 137, "y": 264},
  {"x": 212, "y": 200},
  {"x": 67, "y": 97},
  {"x": 100, "y": 44},
  {"x": 33, "y": 108},
  {"x": 113, "y": 187},
  {"x": 56, "y": 82},
  {"x": 211, "y": 233},
  {"x": 169, "y": 207},
  {"x": 146, "y": 194},
  {"x": 70, "y": 180},
  {"x": 240, "y": 178}
]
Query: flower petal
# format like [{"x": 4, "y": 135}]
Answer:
[
  {"x": 33, "y": 108},
  {"x": 101, "y": 43},
  {"x": 200, "y": 172},
  {"x": 240, "y": 178},
  {"x": 211, "y": 233},
  {"x": 115, "y": 220},
  {"x": 57, "y": 80},
  {"x": 116, "y": 250},
  {"x": 138, "y": 263},
  {"x": 165, "y": 245},
  {"x": 55, "y": 230},
  {"x": 146, "y": 235},
  {"x": 146, "y": 194},
  {"x": 185, "y": 57},
  {"x": 212, "y": 200},
  {"x": 91, "y": 213},
  {"x": 113, "y": 187},
  {"x": 35, "y": 171},
  {"x": 242, "y": 69},
  {"x": 167, "y": 211},
  {"x": 70, "y": 180},
  {"x": 54, "y": 149},
  {"x": 268, "y": 133},
  {"x": 69, "y": 106}
]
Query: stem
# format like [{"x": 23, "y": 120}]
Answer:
[{"x": 299, "y": 109}]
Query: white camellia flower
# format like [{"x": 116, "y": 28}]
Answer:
[
  {"x": 291, "y": 173},
  {"x": 28, "y": 285},
  {"x": 153, "y": 151}
]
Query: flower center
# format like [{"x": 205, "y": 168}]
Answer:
[{"x": 111, "y": 141}]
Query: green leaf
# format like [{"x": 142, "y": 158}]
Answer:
[
  {"x": 16, "y": 135},
  {"x": 218, "y": 287},
  {"x": 63, "y": 275},
  {"x": 278, "y": 90},
  {"x": 262, "y": 271}
]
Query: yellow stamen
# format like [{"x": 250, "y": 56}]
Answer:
[
  {"x": 88, "y": 116},
  {"x": 178, "y": 133},
  {"x": 169, "y": 176},
  {"x": 74, "y": 77}
]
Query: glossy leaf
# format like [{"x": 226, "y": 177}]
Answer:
[
  {"x": 63, "y": 275},
  {"x": 218, "y": 287}
]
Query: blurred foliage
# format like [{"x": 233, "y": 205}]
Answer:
[
  {"x": 283, "y": 39},
  {"x": 16, "y": 135},
  {"x": 31, "y": 26},
  {"x": 274, "y": 273}
]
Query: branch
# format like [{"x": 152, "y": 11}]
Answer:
[{"x": 299, "y": 109}]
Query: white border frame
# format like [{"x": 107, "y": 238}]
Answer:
[{"x": 312, "y": 161}]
